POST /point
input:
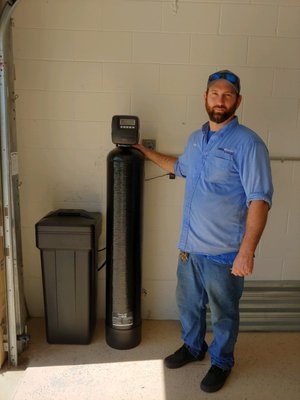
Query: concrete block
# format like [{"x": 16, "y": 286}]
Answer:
[
  {"x": 131, "y": 15},
  {"x": 255, "y": 80},
  {"x": 102, "y": 46},
  {"x": 47, "y": 44},
  {"x": 28, "y": 14},
  {"x": 289, "y": 21},
  {"x": 32, "y": 255},
  {"x": 131, "y": 77},
  {"x": 191, "y": 17},
  {"x": 274, "y": 237},
  {"x": 58, "y": 75},
  {"x": 170, "y": 108},
  {"x": 45, "y": 105},
  {"x": 75, "y": 14},
  {"x": 184, "y": 79},
  {"x": 161, "y": 47},
  {"x": 30, "y": 74},
  {"x": 265, "y": 112},
  {"x": 274, "y": 52},
  {"x": 214, "y": 50},
  {"x": 164, "y": 191},
  {"x": 160, "y": 301},
  {"x": 58, "y": 14},
  {"x": 291, "y": 270},
  {"x": 263, "y": 266},
  {"x": 158, "y": 252},
  {"x": 284, "y": 143},
  {"x": 246, "y": 19},
  {"x": 279, "y": 2},
  {"x": 100, "y": 106},
  {"x": 282, "y": 175},
  {"x": 286, "y": 83},
  {"x": 196, "y": 110},
  {"x": 170, "y": 137},
  {"x": 33, "y": 288},
  {"x": 76, "y": 45},
  {"x": 57, "y": 134}
]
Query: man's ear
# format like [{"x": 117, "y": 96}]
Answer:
[{"x": 239, "y": 100}]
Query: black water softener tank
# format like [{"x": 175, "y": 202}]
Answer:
[{"x": 125, "y": 178}]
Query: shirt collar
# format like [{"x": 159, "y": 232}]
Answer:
[{"x": 228, "y": 127}]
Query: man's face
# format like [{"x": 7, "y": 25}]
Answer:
[{"x": 221, "y": 101}]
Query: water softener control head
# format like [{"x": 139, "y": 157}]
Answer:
[{"x": 125, "y": 129}]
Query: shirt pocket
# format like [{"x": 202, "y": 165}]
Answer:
[{"x": 219, "y": 166}]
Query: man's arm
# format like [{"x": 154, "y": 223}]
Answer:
[
  {"x": 162, "y": 160},
  {"x": 255, "y": 224}
]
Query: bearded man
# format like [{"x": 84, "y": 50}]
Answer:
[{"x": 228, "y": 195}]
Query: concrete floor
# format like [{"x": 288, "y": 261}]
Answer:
[{"x": 267, "y": 368}]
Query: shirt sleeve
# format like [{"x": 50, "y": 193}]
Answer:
[
  {"x": 181, "y": 165},
  {"x": 255, "y": 173}
]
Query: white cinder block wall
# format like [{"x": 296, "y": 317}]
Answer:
[{"x": 80, "y": 62}]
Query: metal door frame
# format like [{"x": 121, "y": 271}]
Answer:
[{"x": 16, "y": 311}]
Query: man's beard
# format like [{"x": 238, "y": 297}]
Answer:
[{"x": 220, "y": 116}]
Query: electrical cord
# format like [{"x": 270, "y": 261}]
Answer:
[
  {"x": 102, "y": 265},
  {"x": 160, "y": 176}
]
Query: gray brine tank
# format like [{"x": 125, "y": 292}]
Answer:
[{"x": 68, "y": 240}]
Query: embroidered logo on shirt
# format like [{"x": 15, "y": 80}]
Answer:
[{"x": 228, "y": 151}]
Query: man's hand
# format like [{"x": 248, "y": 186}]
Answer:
[
  {"x": 243, "y": 264},
  {"x": 164, "y": 161},
  {"x": 140, "y": 147},
  {"x": 255, "y": 224}
]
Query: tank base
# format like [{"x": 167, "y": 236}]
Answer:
[{"x": 123, "y": 339}]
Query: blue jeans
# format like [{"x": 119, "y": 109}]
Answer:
[{"x": 202, "y": 281}]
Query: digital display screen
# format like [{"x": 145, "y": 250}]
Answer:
[{"x": 127, "y": 121}]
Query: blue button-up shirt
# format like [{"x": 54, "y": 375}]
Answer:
[{"x": 223, "y": 175}]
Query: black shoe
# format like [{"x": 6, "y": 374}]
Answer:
[
  {"x": 214, "y": 379},
  {"x": 181, "y": 357}
]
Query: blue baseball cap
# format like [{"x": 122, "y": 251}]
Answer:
[{"x": 229, "y": 76}]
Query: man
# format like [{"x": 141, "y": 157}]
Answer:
[{"x": 227, "y": 198}]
